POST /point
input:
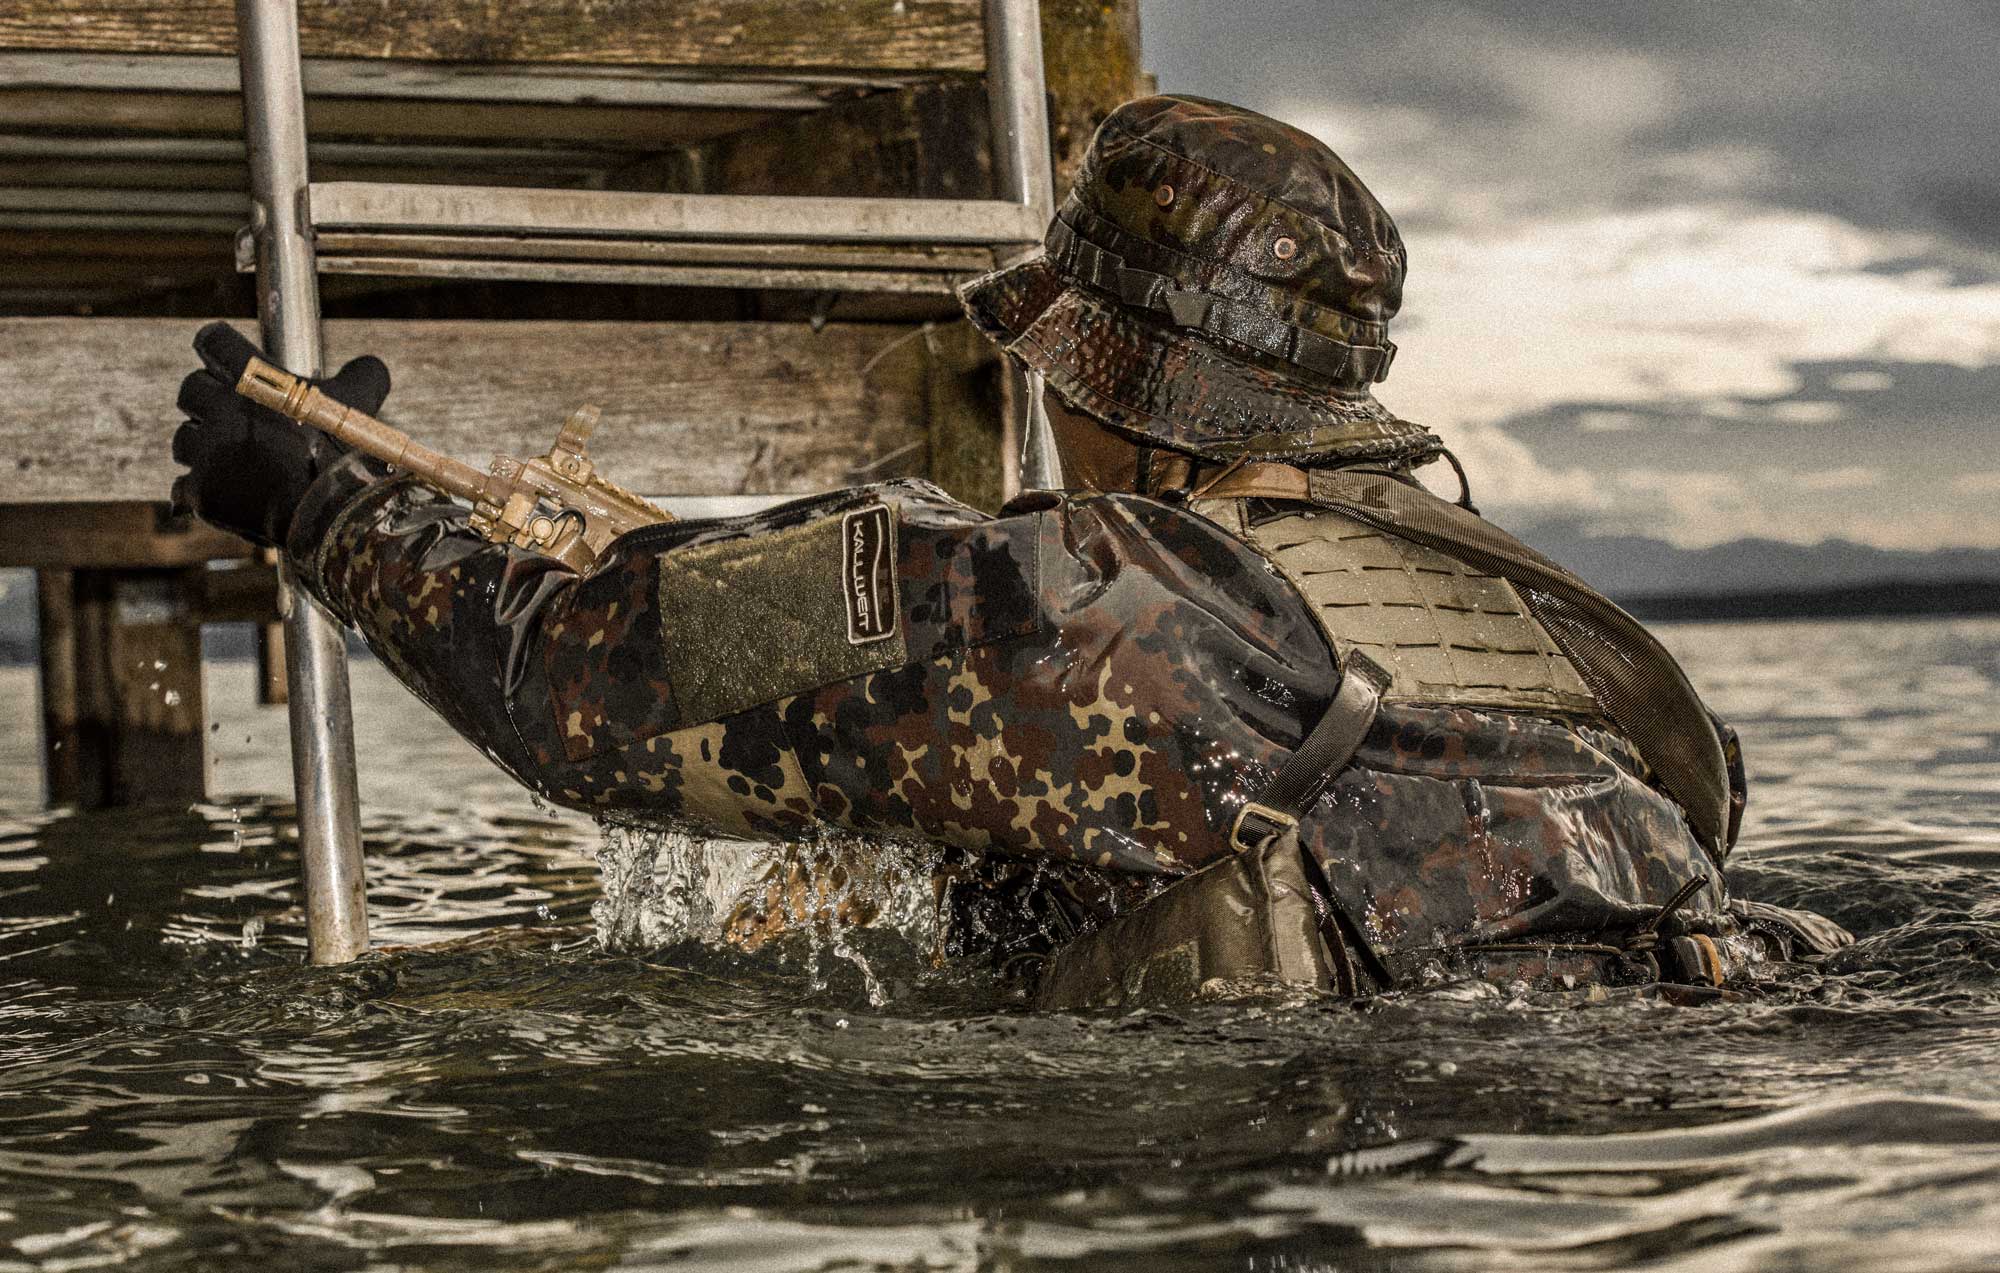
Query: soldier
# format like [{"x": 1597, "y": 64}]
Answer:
[{"x": 1375, "y": 740}]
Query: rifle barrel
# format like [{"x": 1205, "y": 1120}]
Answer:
[{"x": 297, "y": 399}]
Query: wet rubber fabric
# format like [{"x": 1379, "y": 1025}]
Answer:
[{"x": 1103, "y": 680}]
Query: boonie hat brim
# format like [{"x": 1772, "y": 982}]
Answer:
[{"x": 1167, "y": 387}]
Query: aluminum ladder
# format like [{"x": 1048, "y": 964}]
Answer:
[{"x": 299, "y": 228}]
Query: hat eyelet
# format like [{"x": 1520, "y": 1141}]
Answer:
[
  {"x": 1285, "y": 248},
  {"x": 1164, "y": 196}
]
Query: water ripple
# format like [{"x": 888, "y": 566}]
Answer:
[{"x": 176, "y": 1088}]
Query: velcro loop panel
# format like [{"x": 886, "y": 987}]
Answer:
[
  {"x": 1636, "y": 682},
  {"x": 780, "y": 596}
]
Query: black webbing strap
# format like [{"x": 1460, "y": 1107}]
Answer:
[
  {"x": 1244, "y": 324},
  {"x": 1324, "y": 753}
]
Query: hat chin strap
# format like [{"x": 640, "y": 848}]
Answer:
[
  {"x": 1464, "y": 499},
  {"x": 1212, "y": 315}
]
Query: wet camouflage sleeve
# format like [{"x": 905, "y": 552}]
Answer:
[
  {"x": 1104, "y": 679},
  {"x": 1055, "y": 688}
]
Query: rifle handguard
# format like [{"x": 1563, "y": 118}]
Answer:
[{"x": 554, "y": 504}]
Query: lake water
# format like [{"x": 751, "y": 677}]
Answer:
[{"x": 177, "y": 1091}]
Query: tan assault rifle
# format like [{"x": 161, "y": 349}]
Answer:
[{"x": 553, "y": 504}]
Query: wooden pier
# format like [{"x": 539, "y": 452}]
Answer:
[{"x": 731, "y": 371}]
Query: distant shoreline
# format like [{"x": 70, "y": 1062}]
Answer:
[
  {"x": 1859, "y": 601},
  {"x": 1965, "y": 597}
]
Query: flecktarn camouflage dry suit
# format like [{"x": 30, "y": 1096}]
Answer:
[{"x": 1105, "y": 680}]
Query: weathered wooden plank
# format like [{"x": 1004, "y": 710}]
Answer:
[
  {"x": 150, "y": 177},
  {"x": 82, "y": 535},
  {"x": 158, "y": 739},
  {"x": 98, "y": 112},
  {"x": 247, "y": 593},
  {"x": 63, "y": 759},
  {"x": 914, "y": 35},
  {"x": 1090, "y": 55},
  {"x": 86, "y": 405},
  {"x": 274, "y": 684},
  {"x": 933, "y": 140},
  {"x": 54, "y": 271},
  {"x": 133, "y": 253},
  {"x": 747, "y": 277},
  {"x": 967, "y": 430},
  {"x": 640, "y": 86},
  {"x": 930, "y": 141},
  {"x": 948, "y": 258}
]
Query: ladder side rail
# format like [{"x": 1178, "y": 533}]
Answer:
[
  {"x": 322, "y": 714},
  {"x": 1017, "y": 100}
]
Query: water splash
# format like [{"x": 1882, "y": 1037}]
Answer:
[
  {"x": 632, "y": 915},
  {"x": 663, "y": 885}
]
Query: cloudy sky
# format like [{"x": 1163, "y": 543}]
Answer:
[{"x": 1692, "y": 270}]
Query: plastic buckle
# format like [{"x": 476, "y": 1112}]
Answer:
[
  {"x": 1388, "y": 360},
  {"x": 1188, "y": 309},
  {"x": 1261, "y": 821}
]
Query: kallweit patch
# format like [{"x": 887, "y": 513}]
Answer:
[{"x": 868, "y": 573}]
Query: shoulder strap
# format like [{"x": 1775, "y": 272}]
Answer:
[
  {"x": 1635, "y": 680},
  {"x": 1268, "y": 825},
  {"x": 1324, "y": 753}
]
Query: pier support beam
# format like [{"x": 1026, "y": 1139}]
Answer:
[
  {"x": 122, "y": 710},
  {"x": 121, "y": 592}
]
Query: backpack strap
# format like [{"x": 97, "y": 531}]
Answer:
[{"x": 1327, "y": 749}]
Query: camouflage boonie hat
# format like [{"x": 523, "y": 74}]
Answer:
[{"x": 1217, "y": 283}]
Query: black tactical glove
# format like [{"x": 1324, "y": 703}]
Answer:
[{"x": 248, "y": 466}]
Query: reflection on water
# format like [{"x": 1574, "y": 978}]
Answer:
[{"x": 176, "y": 1089}]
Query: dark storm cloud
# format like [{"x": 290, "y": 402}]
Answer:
[
  {"x": 1695, "y": 271},
  {"x": 1888, "y": 452},
  {"x": 1882, "y": 114},
  {"x": 1871, "y": 410}
]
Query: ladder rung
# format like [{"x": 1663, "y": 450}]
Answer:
[
  {"x": 892, "y": 256},
  {"x": 930, "y": 282},
  {"x": 556, "y": 214}
]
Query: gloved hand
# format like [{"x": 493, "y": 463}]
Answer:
[{"x": 248, "y": 466}]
